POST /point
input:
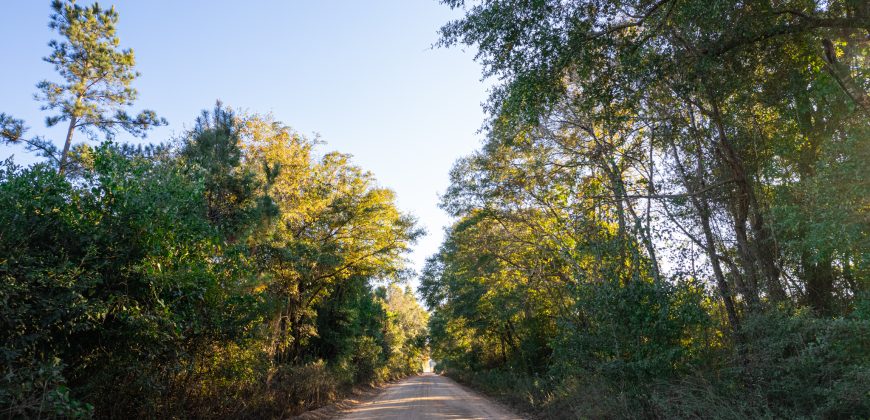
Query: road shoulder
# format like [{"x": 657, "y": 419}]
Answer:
[
  {"x": 357, "y": 397},
  {"x": 491, "y": 399},
  {"x": 497, "y": 400}
]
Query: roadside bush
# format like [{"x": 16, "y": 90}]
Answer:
[
  {"x": 802, "y": 365},
  {"x": 367, "y": 360},
  {"x": 39, "y": 391},
  {"x": 308, "y": 386},
  {"x": 796, "y": 366},
  {"x": 633, "y": 332},
  {"x": 645, "y": 352}
]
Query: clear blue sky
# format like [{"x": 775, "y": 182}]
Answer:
[{"x": 362, "y": 74}]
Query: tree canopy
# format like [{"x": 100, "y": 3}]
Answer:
[
  {"x": 236, "y": 271},
  {"x": 96, "y": 82},
  {"x": 668, "y": 218},
  {"x": 667, "y": 188}
]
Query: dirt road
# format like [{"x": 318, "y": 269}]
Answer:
[{"x": 428, "y": 396}]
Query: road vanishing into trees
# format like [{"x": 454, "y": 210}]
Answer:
[{"x": 428, "y": 396}]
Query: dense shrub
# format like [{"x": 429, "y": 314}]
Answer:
[
  {"x": 635, "y": 332},
  {"x": 793, "y": 366}
]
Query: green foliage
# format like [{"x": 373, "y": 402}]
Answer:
[
  {"x": 803, "y": 366},
  {"x": 637, "y": 332},
  {"x": 96, "y": 82},
  {"x": 96, "y": 74},
  {"x": 213, "y": 152},
  {"x": 667, "y": 220},
  {"x": 29, "y": 390},
  {"x": 668, "y": 216},
  {"x": 161, "y": 281}
]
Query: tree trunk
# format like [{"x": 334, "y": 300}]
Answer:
[
  {"x": 746, "y": 207},
  {"x": 66, "y": 145},
  {"x": 703, "y": 209}
]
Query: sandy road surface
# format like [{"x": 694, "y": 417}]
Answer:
[{"x": 427, "y": 396}]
